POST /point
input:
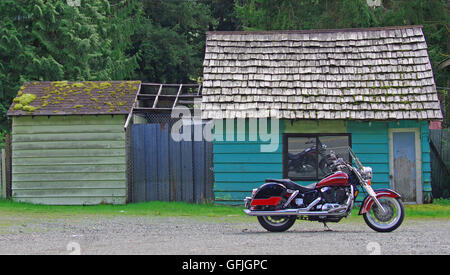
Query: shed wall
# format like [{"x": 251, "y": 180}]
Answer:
[
  {"x": 239, "y": 166},
  {"x": 69, "y": 159}
]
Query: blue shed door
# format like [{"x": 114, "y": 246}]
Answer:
[{"x": 404, "y": 157}]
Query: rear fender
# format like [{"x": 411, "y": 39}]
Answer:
[{"x": 368, "y": 201}]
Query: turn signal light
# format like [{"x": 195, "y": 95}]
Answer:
[{"x": 370, "y": 182}]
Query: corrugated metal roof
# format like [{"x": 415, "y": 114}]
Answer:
[
  {"x": 68, "y": 98},
  {"x": 375, "y": 73}
]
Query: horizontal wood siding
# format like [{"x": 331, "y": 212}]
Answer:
[
  {"x": 69, "y": 159},
  {"x": 239, "y": 166},
  {"x": 370, "y": 142}
]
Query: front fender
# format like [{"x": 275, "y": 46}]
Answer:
[{"x": 368, "y": 201}]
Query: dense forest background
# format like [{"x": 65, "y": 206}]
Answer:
[{"x": 163, "y": 40}]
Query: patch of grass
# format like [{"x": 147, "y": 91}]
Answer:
[
  {"x": 155, "y": 208},
  {"x": 439, "y": 209}
]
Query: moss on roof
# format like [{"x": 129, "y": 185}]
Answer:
[{"x": 64, "y": 97}]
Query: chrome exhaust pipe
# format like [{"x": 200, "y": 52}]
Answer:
[
  {"x": 306, "y": 211},
  {"x": 286, "y": 212},
  {"x": 296, "y": 212}
]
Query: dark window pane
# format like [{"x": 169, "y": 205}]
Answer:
[
  {"x": 302, "y": 158},
  {"x": 328, "y": 145}
]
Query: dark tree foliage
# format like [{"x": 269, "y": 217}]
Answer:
[
  {"x": 51, "y": 40},
  {"x": 171, "y": 40},
  {"x": 164, "y": 40},
  {"x": 224, "y": 13},
  {"x": 330, "y": 14},
  {"x": 336, "y": 14}
]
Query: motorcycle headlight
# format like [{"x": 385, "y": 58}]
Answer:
[{"x": 368, "y": 172}]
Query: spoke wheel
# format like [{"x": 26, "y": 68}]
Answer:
[
  {"x": 277, "y": 223},
  {"x": 388, "y": 220}
]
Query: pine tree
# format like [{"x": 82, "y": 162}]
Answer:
[
  {"x": 51, "y": 40},
  {"x": 331, "y": 14},
  {"x": 171, "y": 40}
]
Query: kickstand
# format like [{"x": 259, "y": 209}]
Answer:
[{"x": 326, "y": 227}]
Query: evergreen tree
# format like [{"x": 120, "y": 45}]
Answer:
[
  {"x": 331, "y": 14},
  {"x": 224, "y": 13},
  {"x": 51, "y": 40},
  {"x": 171, "y": 40}
]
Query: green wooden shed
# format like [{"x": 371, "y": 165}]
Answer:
[{"x": 69, "y": 142}]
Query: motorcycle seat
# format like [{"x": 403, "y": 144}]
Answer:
[
  {"x": 289, "y": 184},
  {"x": 295, "y": 156}
]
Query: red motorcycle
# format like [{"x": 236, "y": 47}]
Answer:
[{"x": 280, "y": 202}]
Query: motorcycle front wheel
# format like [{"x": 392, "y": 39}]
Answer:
[
  {"x": 385, "y": 221},
  {"x": 276, "y": 223}
]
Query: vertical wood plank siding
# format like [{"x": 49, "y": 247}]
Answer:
[
  {"x": 239, "y": 166},
  {"x": 69, "y": 159},
  {"x": 168, "y": 170}
]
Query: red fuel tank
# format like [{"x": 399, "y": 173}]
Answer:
[{"x": 336, "y": 179}]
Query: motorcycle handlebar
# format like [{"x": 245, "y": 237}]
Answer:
[{"x": 338, "y": 162}]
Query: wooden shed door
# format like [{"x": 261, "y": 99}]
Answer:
[{"x": 406, "y": 168}]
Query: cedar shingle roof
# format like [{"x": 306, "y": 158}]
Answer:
[
  {"x": 376, "y": 73},
  {"x": 74, "y": 98}
]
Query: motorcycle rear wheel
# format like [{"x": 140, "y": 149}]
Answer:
[
  {"x": 385, "y": 221},
  {"x": 276, "y": 223}
]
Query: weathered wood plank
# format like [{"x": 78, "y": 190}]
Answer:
[
  {"x": 69, "y": 192},
  {"x": 231, "y": 197},
  {"x": 51, "y": 161},
  {"x": 175, "y": 170},
  {"x": 64, "y": 137},
  {"x": 139, "y": 161},
  {"x": 68, "y": 176},
  {"x": 187, "y": 171},
  {"x": 231, "y": 148},
  {"x": 55, "y": 129},
  {"x": 69, "y": 145},
  {"x": 247, "y": 177},
  {"x": 69, "y": 120},
  {"x": 73, "y": 200},
  {"x": 163, "y": 162},
  {"x": 249, "y": 158},
  {"x": 248, "y": 167},
  {"x": 199, "y": 170},
  {"x": 84, "y": 168},
  {"x": 150, "y": 151},
  {"x": 112, "y": 152},
  {"x": 74, "y": 184}
]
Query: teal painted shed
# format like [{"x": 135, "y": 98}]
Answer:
[
  {"x": 69, "y": 142},
  {"x": 279, "y": 96}
]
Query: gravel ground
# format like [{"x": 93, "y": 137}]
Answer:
[{"x": 177, "y": 235}]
